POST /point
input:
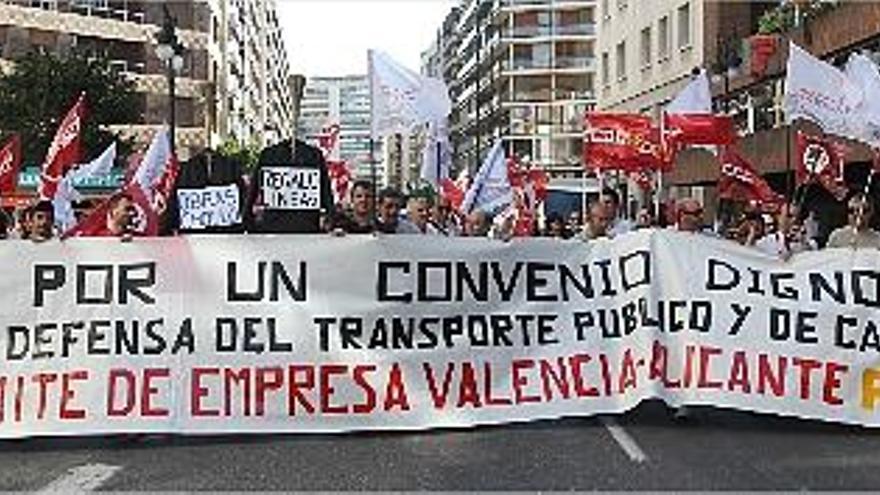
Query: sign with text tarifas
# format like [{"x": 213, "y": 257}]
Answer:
[
  {"x": 213, "y": 206},
  {"x": 318, "y": 334}
]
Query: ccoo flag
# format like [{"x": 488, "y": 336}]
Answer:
[
  {"x": 65, "y": 150},
  {"x": 10, "y": 164}
]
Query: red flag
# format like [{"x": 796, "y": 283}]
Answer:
[
  {"x": 699, "y": 129},
  {"x": 529, "y": 187},
  {"x": 10, "y": 164},
  {"x": 145, "y": 220},
  {"x": 740, "y": 181},
  {"x": 623, "y": 142},
  {"x": 822, "y": 161},
  {"x": 157, "y": 172},
  {"x": 328, "y": 139},
  {"x": 64, "y": 152},
  {"x": 452, "y": 192},
  {"x": 340, "y": 178}
]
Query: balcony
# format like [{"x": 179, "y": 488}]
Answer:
[
  {"x": 583, "y": 29},
  {"x": 532, "y": 96},
  {"x": 528, "y": 31},
  {"x": 525, "y": 64},
  {"x": 571, "y": 94},
  {"x": 576, "y": 62}
]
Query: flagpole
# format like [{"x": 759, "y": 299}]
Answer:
[
  {"x": 789, "y": 179},
  {"x": 439, "y": 153},
  {"x": 872, "y": 173},
  {"x": 373, "y": 177},
  {"x": 583, "y": 195},
  {"x": 659, "y": 190}
]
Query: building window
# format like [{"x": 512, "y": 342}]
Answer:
[
  {"x": 684, "y": 26},
  {"x": 606, "y": 70},
  {"x": 645, "y": 58},
  {"x": 621, "y": 61},
  {"x": 664, "y": 40}
]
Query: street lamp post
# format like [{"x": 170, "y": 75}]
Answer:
[{"x": 170, "y": 52}]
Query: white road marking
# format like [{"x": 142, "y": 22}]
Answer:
[
  {"x": 82, "y": 479},
  {"x": 625, "y": 440}
]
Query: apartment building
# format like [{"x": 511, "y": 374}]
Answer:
[
  {"x": 234, "y": 81},
  {"x": 522, "y": 71},
  {"x": 253, "y": 67},
  {"x": 648, "y": 51},
  {"x": 344, "y": 101}
]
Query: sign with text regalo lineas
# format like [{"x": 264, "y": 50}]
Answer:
[{"x": 318, "y": 334}]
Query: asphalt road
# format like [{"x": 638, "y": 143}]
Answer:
[{"x": 643, "y": 450}]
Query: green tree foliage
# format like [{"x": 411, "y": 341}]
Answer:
[
  {"x": 248, "y": 154},
  {"x": 40, "y": 88}
]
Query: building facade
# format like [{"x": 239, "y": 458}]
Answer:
[
  {"x": 234, "y": 81},
  {"x": 253, "y": 70},
  {"x": 648, "y": 51},
  {"x": 522, "y": 71},
  {"x": 344, "y": 101}
]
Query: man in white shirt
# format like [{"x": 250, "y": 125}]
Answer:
[
  {"x": 619, "y": 225},
  {"x": 789, "y": 238},
  {"x": 857, "y": 234}
]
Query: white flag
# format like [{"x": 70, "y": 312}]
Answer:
[
  {"x": 67, "y": 193},
  {"x": 154, "y": 163},
  {"x": 696, "y": 97},
  {"x": 436, "y": 155},
  {"x": 818, "y": 92},
  {"x": 402, "y": 99},
  {"x": 491, "y": 189},
  {"x": 862, "y": 71}
]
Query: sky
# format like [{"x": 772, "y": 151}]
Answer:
[{"x": 331, "y": 37}]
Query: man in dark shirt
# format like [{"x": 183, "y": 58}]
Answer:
[
  {"x": 358, "y": 220},
  {"x": 388, "y": 211},
  {"x": 289, "y": 191}
]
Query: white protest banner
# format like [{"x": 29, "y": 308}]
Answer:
[
  {"x": 316, "y": 334},
  {"x": 291, "y": 188},
  {"x": 213, "y": 206}
]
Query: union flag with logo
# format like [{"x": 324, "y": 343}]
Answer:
[
  {"x": 627, "y": 142},
  {"x": 65, "y": 150},
  {"x": 821, "y": 161},
  {"x": 10, "y": 164},
  {"x": 740, "y": 181}
]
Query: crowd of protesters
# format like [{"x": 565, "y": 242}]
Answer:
[{"x": 782, "y": 232}]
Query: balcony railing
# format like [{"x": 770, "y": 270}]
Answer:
[
  {"x": 574, "y": 62},
  {"x": 528, "y": 31},
  {"x": 518, "y": 3},
  {"x": 569, "y": 94},
  {"x": 535, "y": 31},
  {"x": 525, "y": 64},
  {"x": 586, "y": 29}
]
